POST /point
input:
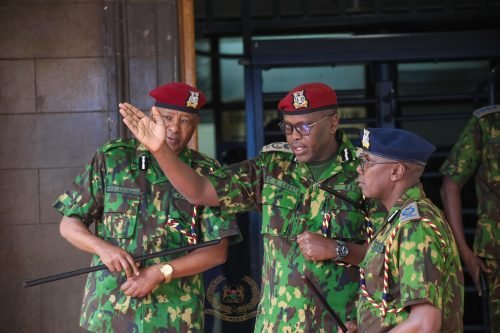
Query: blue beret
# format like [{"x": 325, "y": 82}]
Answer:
[{"x": 396, "y": 144}]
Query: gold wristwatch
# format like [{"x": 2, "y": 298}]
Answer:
[{"x": 167, "y": 270}]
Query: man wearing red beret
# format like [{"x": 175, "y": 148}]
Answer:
[
  {"x": 137, "y": 211},
  {"x": 310, "y": 203}
]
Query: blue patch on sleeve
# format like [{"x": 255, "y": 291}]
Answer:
[{"x": 410, "y": 212}]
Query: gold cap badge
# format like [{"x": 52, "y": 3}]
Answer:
[
  {"x": 193, "y": 99},
  {"x": 299, "y": 100}
]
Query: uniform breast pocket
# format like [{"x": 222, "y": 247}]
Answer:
[
  {"x": 120, "y": 213},
  {"x": 373, "y": 266},
  {"x": 344, "y": 205},
  {"x": 279, "y": 210}
]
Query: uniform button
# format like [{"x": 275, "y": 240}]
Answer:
[{"x": 216, "y": 227}]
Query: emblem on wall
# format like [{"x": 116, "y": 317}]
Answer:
[{"x": 232, "y": 302}]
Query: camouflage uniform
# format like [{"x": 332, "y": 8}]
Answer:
[
  {"x": 291, "y": 202},
  {"x": 423, "y": 267},
  {"x": 477, "y": 151},
  {"x": 130, "y": 208}
]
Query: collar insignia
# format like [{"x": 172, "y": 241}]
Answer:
[
  {"x": 299, "y": 100},
  {"x": 193, "y": 99},
  {"x": 346, "y": 155},
  {"x": 143, "y": 163}
]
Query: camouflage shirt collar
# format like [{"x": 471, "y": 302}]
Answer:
[
  {"x": 347, "y": 151},
  {"x": 346, "y": 154},
  {"x": 412, "y": 194}
]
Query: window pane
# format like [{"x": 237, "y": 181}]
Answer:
[{"x": 345, "y": 77}]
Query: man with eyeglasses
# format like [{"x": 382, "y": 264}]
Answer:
[
  {"x": 310, "y": 205},
  {"x": 411, "y": 276}
]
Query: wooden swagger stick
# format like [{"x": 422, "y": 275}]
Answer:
[{"x": 140, "y": 258}]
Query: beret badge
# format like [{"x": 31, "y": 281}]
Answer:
[
  {"x": 366, "y": 138},
  {"x": 299, "y": 100},
  {"x": 193, "y": 99}
]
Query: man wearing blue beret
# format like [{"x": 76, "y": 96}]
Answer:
[{"x": 411, "y": 277}]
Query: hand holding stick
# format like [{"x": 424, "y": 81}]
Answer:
[{"x": 86, "y": 270}]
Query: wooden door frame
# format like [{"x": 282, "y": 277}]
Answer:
[{"x": 187, "y": 51}]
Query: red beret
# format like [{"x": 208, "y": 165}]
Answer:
[
  {"x": 307, "y": 98},
  {"x": 178, "y": 96}
]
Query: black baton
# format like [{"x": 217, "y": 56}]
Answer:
[
  {"x": 143, "y": 257},
  {"x": 485, "y": 298},
  {"x": 323, "y": 301}
]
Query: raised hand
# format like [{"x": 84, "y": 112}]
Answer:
[{"x": 151, "y": 132}]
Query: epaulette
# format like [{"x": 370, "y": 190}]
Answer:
[
  {"x": 410, "y": 212},
  {"x": 277, "y": 146},
  {"x": 129, "y": 143},
  {"x": 485, "y": 110}
]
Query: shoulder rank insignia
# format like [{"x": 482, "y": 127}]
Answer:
[
  {"x": 299, "y": 100},
  {"x": 485, "y": 110},
  {"x": 410, "y": 212},
  {"x": 277, "y": 146}
]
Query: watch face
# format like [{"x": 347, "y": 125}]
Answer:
[
  {"x": 166, "y": 270},
  {"x": 342, "y": 251}
]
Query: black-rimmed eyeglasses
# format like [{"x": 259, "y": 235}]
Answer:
[{"x": 303, "y": 129}]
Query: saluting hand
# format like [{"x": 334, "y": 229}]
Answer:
[
  {"x": 143, "y": 284},
  {"x": 315, "y": 246},
  {"x": 150, "y": 131}
]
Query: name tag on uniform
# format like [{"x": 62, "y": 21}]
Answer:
[
  {"x": 377, "y": 247},
  {"x": 283, "y": 184}
]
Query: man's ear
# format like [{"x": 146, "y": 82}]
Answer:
[
  {"x": 397, "y": 171},
  {"x": 334, "y": 123}
]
